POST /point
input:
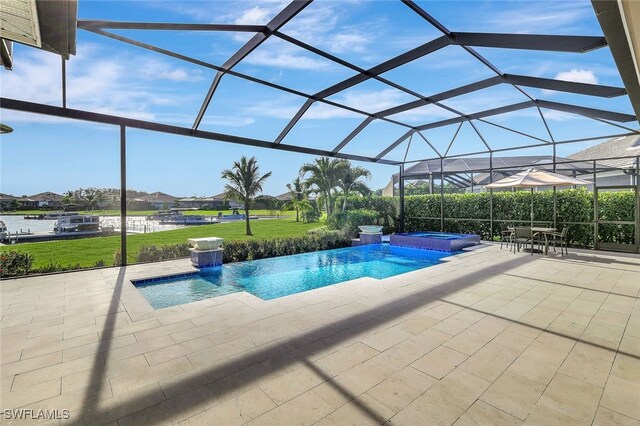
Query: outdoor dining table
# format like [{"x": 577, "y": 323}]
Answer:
[{"x": 544, "y": 232}]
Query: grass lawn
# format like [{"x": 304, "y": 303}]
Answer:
[
  {"x": 88, "y": 251},
  {"x": 280, "y": 213}
]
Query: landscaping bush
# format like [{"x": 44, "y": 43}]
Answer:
[
  {"x": 348, "y": 221},
  {"x": 237, "y": 251},
  {"x": 386, "y": 209},
  {"x": 13, "y": 263},
  {"x": 56, "y": 267},
  {"x": 166, "y": 252}
]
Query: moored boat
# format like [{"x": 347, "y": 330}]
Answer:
[{"x": 77, "y": 223}]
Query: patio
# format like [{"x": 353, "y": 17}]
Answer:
[{"x": 487, "y": 337}]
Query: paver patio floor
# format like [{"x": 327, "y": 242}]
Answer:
[{"x": 487, "y": 337}]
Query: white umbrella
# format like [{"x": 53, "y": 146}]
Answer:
[{"x": 533, "y": 178}]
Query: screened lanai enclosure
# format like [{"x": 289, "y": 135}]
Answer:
[{"x": 462, "y": 105}]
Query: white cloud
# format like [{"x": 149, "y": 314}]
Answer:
[
  {"x": 255, "y": 16},
  {"x": 540, "y": 17},
  {"x": 281, "y": 58},
  {"x": 371, "y": 101},
  {"x": 96, "y": 81},
  {"x": 578, "y": 76},
  {"x": 159, "y": 70},
  {"x": 348, "y": 42},
  {"x": 211, "y": 120}
]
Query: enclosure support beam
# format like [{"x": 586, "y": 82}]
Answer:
[
  {"x": 123, "y": 194},
  {"x": 595, "y": 207},
  {"x": 441, "y": 194},
  {"x": 491, "y": 197},
  {"x": 36, "y": 108},
  {"x": 276, "y": 23},
  {"x": 64, "y": 82},
  {"x": 637, "y": 204},
  {"x": 401, "y": 190},
  {"x": 555, "y": 195}
]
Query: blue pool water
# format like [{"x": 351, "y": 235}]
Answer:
[{"x": 281, "y": 276}]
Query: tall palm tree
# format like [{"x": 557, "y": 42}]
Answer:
[
  {"x": 298, "y": 192},
  {"x": 245, "y": 184},
  {"x": 350, "y": 182},
  {"x": 324, "y": 176}
]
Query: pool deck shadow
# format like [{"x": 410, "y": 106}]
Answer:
[{"x": 344, "y": 351}]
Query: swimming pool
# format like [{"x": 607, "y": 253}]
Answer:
[{"x": 281, "y": 276}]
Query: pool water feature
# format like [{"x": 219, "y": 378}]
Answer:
[
  {"x": 440, "y": 241},
  {"x": 281, "y": 276}
]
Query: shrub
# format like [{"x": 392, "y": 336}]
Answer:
[
  {"x": 166, "y": 252},
  {"x": 56, "y": 267},
  {"x": 348, "y": 221},
  {"x": 15, "y": 263},
  {"x": 386, "y": 209},
  {"x": 310, "y": 211},
  {"x": 237, "y": 251}
]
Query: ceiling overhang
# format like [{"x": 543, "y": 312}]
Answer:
[
  {"x": 45, "y": 24},
  {"x": 620, "y": 22}
]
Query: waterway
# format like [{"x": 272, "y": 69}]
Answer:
[{"x": 135, "y": 224}]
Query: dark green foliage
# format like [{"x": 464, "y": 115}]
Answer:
[
  {"x": 237, "y": 251},
  {"x": 55, "y": 267},
  {"x": 309, "y": 211},
  {"x": 166, "y": 252},
  {"x": 386, "y": 209},
  {"x": 574, "y": 209},
  {"x": 13, "y": 263},
  {"x": 348, "y": 221}
]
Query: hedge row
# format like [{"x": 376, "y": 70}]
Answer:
[
  {"x": 385, "y": 208},
  {"x": 514, "y": 208},
  {"x": 237, "y": 251}
]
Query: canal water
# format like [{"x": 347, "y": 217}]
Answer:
[{"x": 135, "y": 224}]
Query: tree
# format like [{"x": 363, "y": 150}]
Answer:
[
  {"x": 298, "y": 191},
  {"x": 245, "y": 184},
  {"x": 14, "y": 204},
  {"x": 309, "y": 211},
  {"x": 350, "y": 182},
  {"x": 324, "y": 177},
  {"x": 100, "y": 197}
]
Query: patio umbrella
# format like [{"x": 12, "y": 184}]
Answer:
[{"x": 533, "y": 178}]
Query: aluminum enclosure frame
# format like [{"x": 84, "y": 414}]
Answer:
[{"x": 274, "y": 28}]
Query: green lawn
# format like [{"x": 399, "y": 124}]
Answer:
[
  {"x": 150, "y": 212},
  {"x": 88, "y": 251}
]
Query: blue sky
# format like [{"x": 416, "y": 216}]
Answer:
[{"x": 108, "y": 76}]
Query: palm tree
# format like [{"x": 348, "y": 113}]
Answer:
[
  {"x": 324, "y": 177},
  {"x": 350, "y": 182},
  {"x": 298, "y": 191},
  {"x": 67, "y": 199},
  {"x": 245, "y": 184}
]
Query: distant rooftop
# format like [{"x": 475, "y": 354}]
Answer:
[{"x": 617, "y": 147}]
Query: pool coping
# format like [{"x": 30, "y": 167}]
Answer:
[{"x": 139, "y": 308}]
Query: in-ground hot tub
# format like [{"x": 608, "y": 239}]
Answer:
[{"x": 434, "y": 240}]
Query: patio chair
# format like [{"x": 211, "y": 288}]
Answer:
[
  {"x": 523, "y": 236},
  {"x": 562, "y": 238},
  {"x": 506, "y": 235}
]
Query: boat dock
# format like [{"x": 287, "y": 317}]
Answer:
[{"x": 16, "y": 238}]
